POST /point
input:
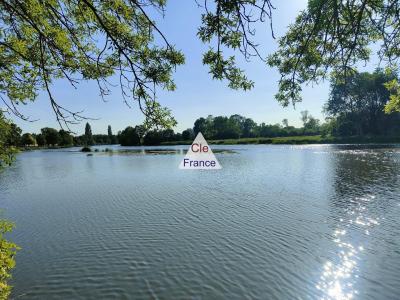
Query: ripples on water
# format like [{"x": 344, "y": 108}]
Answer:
[
  {"x": 338, "y": 277},
  {"x": 277, "y": 222},
  {"x": 358, "y": 219}
]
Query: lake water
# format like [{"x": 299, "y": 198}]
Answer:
[{"x": 277, "y": 222}]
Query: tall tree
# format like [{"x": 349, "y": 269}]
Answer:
[
  {"x": 27, "y": 139},
  {"x": 200, "y": 125},
  {"x": 51, "y": 136},
  {"x": 358, "y": 103},
  {"x": 304, "y": 117},
  {"x": 41, "y": 141},
  {"x": 249, "y": 128},
  {"x": 88, "y": 135},
  {"x": 311, "y": 126},
  {"x": 66, "y": 139},
  {"x": 188, "y": 134},
  {"x": 109, "y": 134},
  {"x": 129, "y": 137},
  {"x": 141, "y": 131},
  {"x": 238, "y": 121},
  {"x": 14, "y": 135}
]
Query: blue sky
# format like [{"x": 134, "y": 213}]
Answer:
[{"x": 197, "y": 94}]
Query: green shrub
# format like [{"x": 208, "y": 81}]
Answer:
[
  {"x": 7, "y": 261},
  {"x": 86, "y": 149},
  {"x": 265, "y": 141}
]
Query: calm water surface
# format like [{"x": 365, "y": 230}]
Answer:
[{"x": 277, "y": 222}]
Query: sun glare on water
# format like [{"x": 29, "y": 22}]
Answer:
[{"x": 339, "y": 276}]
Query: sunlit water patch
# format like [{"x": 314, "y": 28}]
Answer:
[{"x": 339, "y": 276}]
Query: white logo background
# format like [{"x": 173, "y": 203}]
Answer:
[{"x": 198, "y": 158}]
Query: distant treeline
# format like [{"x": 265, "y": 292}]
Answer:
[
  {"x": 50, "y": 137},
  {"x": 220, "y": 127},
  {"x": 355, "y": 108}
]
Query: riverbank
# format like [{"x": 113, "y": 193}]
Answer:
[
  {"x": 289, "y": 140},
  {"x": 298, "y": 140}
]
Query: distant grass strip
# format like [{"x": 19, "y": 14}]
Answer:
[{"x": 298, "y": 140}]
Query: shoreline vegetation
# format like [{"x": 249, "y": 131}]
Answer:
[
  {"x": 287, "y": 140},
  {"x": 222, "y": 130},
  {"x": 298, "y": 140}
]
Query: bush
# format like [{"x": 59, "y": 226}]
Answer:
[
  {"x": 7, "y": 261},
  {"x": 86, "y": 149},
  {"x": 129, "y": 137},
  {"x": 152, "y": 138},
  {"x": 265, "y": 141}
]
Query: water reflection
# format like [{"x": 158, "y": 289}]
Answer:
[
  {"x": 355, "y": 210},
  {"x": 340, "y": 275}
]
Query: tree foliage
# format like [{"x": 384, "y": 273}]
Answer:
[
  {"x": 393, "y": 105},
  {"x": 51, "y": 136},
  {"x": 188, "y": 134},
  {"x": 230, "y": 24},
  {"x": 111, "y": 138},
  {"x": 334, "y": 37},
  {"x": 153, "y": 137},
  {"x": 40, "y": 140},
  {"x": 358, "y": 102},
  {"x": 14, "y": 134},
  {"x": 28, "y": 139},
  {"x": 65, "y": 138},
  {"x": 129, "y": 137},
  {"x": 88, "y": 135},
  {"x": 42, "y": 41},
  {"x": 8, "y": 143},
  {"x": 7, "y": 259},
  {"x": 237, "y": 126},
  {"x": 218, "y": 127}
]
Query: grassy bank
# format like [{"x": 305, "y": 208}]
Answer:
[
  {"x": 289, "y": 140},
  {"x": 298, "y": 140}
]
